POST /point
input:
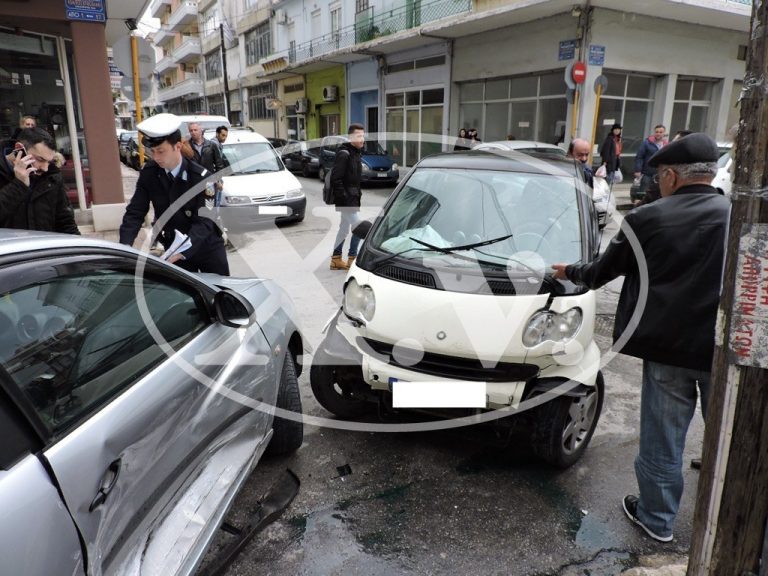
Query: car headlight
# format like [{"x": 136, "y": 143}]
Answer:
[
  {"x": 237, "y": 199},
  {"x": 547, "y": 325},
  {"x": 394, "y": 166},
  {"x": 359, "y": 302},
  {"x": 298, "y": 193},
  {"x": 366, "y": 168}
]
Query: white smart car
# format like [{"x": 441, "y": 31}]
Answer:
[{"x": 452, "y": 292}]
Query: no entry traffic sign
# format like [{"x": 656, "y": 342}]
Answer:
[{"x": 579, "y": 72}]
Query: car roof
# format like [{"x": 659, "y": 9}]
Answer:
[
  {"x": 502, "y": 160},
  {"x": 242, "y": 136},
  {"x": 13, "y": 241},
  {"x": 516, "y": 145},
  {"x": 206, "y": 121}
]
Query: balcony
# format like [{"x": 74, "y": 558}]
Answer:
[
  {"x": 370, "y": 26},
  {"x": 187, "y": 51},
  {"x": 163, "y": 36},
  {"x": 165, "y": 63},
  {"x": 192, "y": 85},
  {"x": 185, "y": 13},
  {"x": 159, "y": 7}
]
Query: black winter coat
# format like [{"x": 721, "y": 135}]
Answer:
[
  {"x": 152, "y": 186},
  {"x": 608, "y": 154},
  {"x": 42, "y": 206},
  {"x": 345, "y": 177},
  {"x": 210, "y": 156},
  {"x": 682, "y": 240}
]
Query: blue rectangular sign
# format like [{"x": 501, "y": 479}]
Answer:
[
  {"x": 86, "y": 10},
  {"x": 567, "y": 50},
  {"x": 596, "y": 55}
]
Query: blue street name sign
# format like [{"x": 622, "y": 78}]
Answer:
[
  {"x": 567, "y": 50},
  {"x": 596, "y": 55},
  {"x": 86, "y": 10}
]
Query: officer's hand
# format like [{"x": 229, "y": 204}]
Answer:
[
  {"x": 22, "y": 167},
  {"x": 175, "y": 258}
]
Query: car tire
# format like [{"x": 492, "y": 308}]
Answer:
[
  {"x": 288, "y": 433},
  {"x": 321, "y": 174},
  {"x": 305, "y": 171},
  {"x": 565, "y": 426},
  {"x": 329, "y": 394}
]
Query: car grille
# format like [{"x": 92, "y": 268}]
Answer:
[
  {"x": 267, "y": 198},
  {"x": 406, "y": 276},
  {"x": 452, "y": 367}
]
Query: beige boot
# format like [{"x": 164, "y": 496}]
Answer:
[
  {"x": 350, "y": 261},
  {"x": 338, "y": 264}
]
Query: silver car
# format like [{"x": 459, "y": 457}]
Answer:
[{"x": 135, "y": 399}]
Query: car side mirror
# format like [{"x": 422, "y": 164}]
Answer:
[
  {"x": 233, "y": 309},
  {"x": 361, "y": 230}
]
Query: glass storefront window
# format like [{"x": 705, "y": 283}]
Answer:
[
  {"x": 414, "y": 124},
  {"x": 628, "y": 101},
  {"x": 524, "y": 87},
  {"x": 471, "y": 92},
  {"x": 692, "y": 104},
  {"x": 497, "y": 90}
]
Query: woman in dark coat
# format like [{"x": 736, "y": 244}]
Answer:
[
  {"x": 610, "y": 152},
  {"x": 462, "y": 143}
]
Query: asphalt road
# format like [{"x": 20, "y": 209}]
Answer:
[{"x": 448, "y": 502}]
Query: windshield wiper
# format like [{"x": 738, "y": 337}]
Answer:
[{"x": 448, "y": 250}]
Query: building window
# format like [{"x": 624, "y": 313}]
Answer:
[
  {"x": 415, "y": 121},
  {"x": 216, "y": 105},
  {"x": 527, "y": 107},
  {"x": 361, "y": 6},
  {"x": 257, "y": 102},
  {"x": 690, "y": 111},
  {"x": 628, "y": 100},
  {"x": 212, "y": 65},
  {"x": 211, "y": 21},
  {"x": 258, "y": 44},
  {"x": 336, "y": 23}
]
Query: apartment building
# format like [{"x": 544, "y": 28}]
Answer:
[{"x": 415, "y": 71}]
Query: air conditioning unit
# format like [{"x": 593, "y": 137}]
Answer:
[
  {"x": 302, "y": 106},
  {"x": 280, "y": 16},
  {"x": 330, "y": 93}
]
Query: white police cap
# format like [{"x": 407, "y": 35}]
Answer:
[{"x": 157, "y": 127}]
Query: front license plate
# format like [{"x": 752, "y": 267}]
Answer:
[
  {"x": 382, "y": 174},
  {"x": 437, "y": 394}
]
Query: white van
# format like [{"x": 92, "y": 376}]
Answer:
[
  {"x": 257, "y": 187},
  {"x": 452, "y": 296},
  {"x": 206, "y": 122}
]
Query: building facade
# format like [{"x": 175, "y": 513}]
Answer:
[{"x": 415, "y": 72}]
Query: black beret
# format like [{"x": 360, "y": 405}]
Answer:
[{"x": 696, "y": 147}]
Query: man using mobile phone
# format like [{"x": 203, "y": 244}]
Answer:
[{"x": 32, "y": 194}]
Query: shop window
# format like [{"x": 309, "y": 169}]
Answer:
[
  {"x": 690, "y": 111},
  {"x": 497, "y": 90},
  {"x": 471, "y": 92},
  {"x": 628, "y": 100}
]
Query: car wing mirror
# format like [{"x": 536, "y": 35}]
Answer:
[
  {"x": 233, "y": 309},
  {"x": 361, "y": 230}
]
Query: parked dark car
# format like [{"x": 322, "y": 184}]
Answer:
[
  {"x": 133, "y": 153},
  {"x": 277, "y": 143},
  {"x": 122, "y": 145},
  {"x": 378, "y": 166},
  {"x": 301, "y": 157}
]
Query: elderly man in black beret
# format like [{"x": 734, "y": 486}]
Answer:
[{"x": 671, "y": 255}]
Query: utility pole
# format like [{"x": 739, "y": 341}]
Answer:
[
  {"x": 224, "y": 70},
  {"x": 729, "y": 529}
]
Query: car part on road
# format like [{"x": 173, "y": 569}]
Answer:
[{"x": 271, "y": 507}]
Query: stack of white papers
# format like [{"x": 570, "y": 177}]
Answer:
[{"x": 181, "y": 242}]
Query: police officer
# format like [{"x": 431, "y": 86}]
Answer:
[{"x": 162, "y": 182}]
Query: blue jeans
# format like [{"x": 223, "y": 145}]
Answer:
[
  {"x": 668, "y": 402},
  {"x": 350, "y": 217}
]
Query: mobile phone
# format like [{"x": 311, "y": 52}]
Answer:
[{"x": 19, "y": 147}]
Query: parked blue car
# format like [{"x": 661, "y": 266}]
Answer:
[{"x": 378, "y": 166}]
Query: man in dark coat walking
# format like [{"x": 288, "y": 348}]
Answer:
[
  {"x": 32, "y": 194},
  {"x": 166, "y": 181},
  {"x": 345, "y": 181},
  {"x": 671, "y": 254}
]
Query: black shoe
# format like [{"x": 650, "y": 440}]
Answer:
[
  {"x": 630, "y": 509},
  {"x": 696, "y": 463}
]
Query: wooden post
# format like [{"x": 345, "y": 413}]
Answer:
[{"x": 729, "y": 528}]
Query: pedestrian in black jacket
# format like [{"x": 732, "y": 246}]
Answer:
[
  {"x": 207, "y": 153},
  {"x": 345, "y": 181},
  {"x": 666, "y": 314},
  {"x": 32, "y": 194},
  {"x": 610, "y": 153},
  {"x": 165, "y": 181}
]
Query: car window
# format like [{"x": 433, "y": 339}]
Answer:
[
  {"x": 444, "y": 208},
  {"x": 372, "y": 147},
  {"x": 74, "y": 341},
  {"x": 251, "y": 157}
]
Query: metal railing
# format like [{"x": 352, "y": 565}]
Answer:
[{"x": 370, "y": 26}]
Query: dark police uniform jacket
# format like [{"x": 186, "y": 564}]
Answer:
[
  {"x": 153, "y": 186},
  {"x": 682, "y": 242}
]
